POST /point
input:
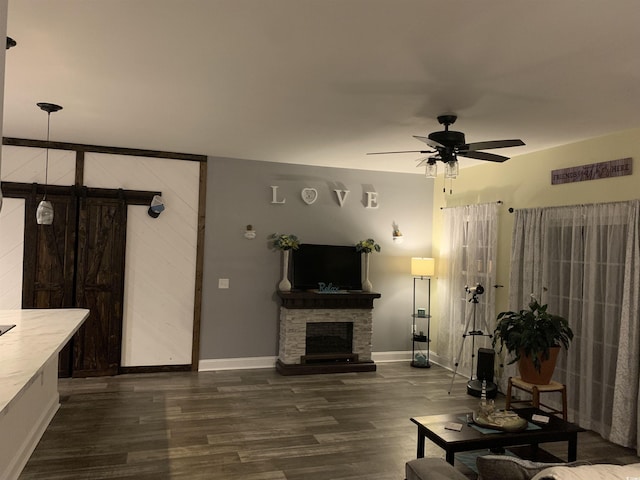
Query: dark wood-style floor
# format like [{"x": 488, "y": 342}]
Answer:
[{"x": 256, "y": 425}]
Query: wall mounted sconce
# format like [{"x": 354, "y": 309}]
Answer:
[
  {"x": 397, "y": 234},
  {"x": 250, "y": 233},
  {"x": 44, "y": 212},
  {"x": 157, "y": 206}
]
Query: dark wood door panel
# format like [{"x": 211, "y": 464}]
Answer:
[
  {"x": 49, "y": 259},
  {"x": 78, "y": 261},
  {"x": 100, "y": 285}
]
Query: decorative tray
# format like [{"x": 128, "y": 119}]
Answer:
[{"x": 506, "y": 421}]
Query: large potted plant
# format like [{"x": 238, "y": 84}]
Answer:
[{"x": 533, "y": 338}]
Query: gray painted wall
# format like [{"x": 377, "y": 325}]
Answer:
[{"x": 242, "y": 321}]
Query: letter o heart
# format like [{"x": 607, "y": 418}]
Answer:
[{"x": 309, "y": 195}]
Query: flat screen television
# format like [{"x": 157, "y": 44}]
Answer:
[{"x": 338, "y": 265}]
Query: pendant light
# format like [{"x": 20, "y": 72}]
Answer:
[{"x": 44, "y": 212}]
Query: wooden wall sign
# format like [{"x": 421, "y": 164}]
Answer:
[{"x": 593, "y": 171}]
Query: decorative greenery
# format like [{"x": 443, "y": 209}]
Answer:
[
  {"x": 284, "y": 241},
  {"x": 367, "y": 246},
  {"x": 531, "y": 332}
]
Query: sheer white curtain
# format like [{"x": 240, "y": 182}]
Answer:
[
  {"x": 467, "y": 258},
  {"x": 583, "y": 261}
]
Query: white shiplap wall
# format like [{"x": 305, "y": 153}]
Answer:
[
  {"x": 27, "y": 165},
  {"x": 160, "y": 255},
  {"x": 11, "y": 253}
]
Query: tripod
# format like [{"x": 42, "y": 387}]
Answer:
[{"x": 471, "y": 385}]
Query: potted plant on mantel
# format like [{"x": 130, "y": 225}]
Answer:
[
  {"x": 285, "y": 243},
  {"x": 533, "y": 337},
  {"x": 367, "y": 246}
]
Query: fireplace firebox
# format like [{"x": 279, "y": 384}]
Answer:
[
  {"x": 328, "y": 342},
  {"x": 324, "y": 338}
]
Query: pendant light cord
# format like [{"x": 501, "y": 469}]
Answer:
[{"x": 46, "y": 162}]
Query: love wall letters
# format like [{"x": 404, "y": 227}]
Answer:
[{"x": 310, "y": 195}]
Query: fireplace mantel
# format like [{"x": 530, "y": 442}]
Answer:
[{"x": 310, "y": 299}]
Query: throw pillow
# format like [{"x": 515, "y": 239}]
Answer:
[{"x": 503, "y": 467}]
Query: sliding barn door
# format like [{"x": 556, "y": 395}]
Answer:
[
  {"x": 49, "y": 254},
  {"x": 79, "y": 262},
  {"x": 48, "y": 276},
  {"x": 100, "y": 286}
]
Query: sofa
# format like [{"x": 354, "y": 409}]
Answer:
[{"x": 503, "y": 467}]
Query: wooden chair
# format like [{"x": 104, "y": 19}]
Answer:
[{"x": 535, "y": 391}]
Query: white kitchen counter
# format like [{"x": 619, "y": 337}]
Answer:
[{"x": 29, "y": 379}]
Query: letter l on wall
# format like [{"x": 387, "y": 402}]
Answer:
[{"x": 274, "y": 195}]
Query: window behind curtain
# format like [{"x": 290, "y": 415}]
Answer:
[
  {"x": 585, "y": 270},
  {"x": 467, "y": 257},
  {"x": 582, "y": 256}
]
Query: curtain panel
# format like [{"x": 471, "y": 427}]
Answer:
[
  {"x": 467, "y": 259},
  {"x": 584, "y": 262}
]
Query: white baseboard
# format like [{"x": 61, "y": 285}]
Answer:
[
  {"x": 386, "y": 357},
  {"x": 213, "y": 364}
]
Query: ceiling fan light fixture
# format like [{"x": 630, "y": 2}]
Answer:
[
  {"x": 451, "y": 169},
  {"x": 448, "y": 145},
  {"x": 431, "y": 170}
]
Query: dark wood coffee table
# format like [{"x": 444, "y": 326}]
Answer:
[{"x": 432, "y": 427}]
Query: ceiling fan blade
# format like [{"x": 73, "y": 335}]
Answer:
[
  {"x": 402, "y": 151},
  {"x": 492, "y": 157},
  {"x": 428, "y": 141},
  {"x": 491, "y": 144}
]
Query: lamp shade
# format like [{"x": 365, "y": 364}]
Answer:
[
  {"x": 423, "y": 267},
  {"x": 44, "y": 213}
]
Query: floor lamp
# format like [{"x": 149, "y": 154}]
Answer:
[{"x": 421, "y": 269}]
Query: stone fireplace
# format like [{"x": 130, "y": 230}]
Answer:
[{"x": 325, "y": 333}]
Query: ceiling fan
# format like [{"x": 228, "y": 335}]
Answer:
[{"x": 448, "y": 144}]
